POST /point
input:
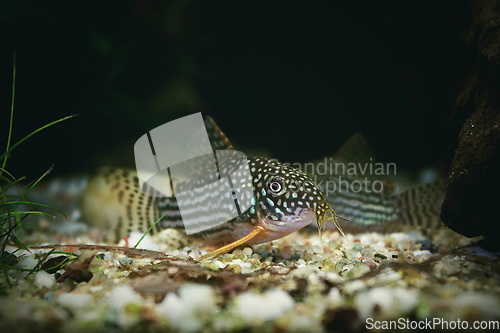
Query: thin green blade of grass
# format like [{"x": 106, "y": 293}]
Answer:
[
  {"x": 19, "y": 268},
  {"x": 23, "y": 247},
  {"x": 33, "y": 212},
  {"x": 41, "y": 259},
  {"x": 11, "y": 206},
  {"x": 9, "y": 174},
  {"x": 67, "y": 253},
  {"x": 5, "y": 267},
  {"x": 33, "y": 133},
  {"x": 32, "y": 203},
  {"x": 62, "y": 263},
  {"x": 6, "y": 275},
  {"x": 27, "y": 225},
  {"x": 10, "y": 196},
  {"x": 150, "y": 228},
  {"x": 31, "y": 188},
  {"x": 8, "y": 234},
  {"x": 3, "y": 190},
  {"x": 11, "y": 113},
  {"x": 11, "y": 228},
  {"x": 35, "y": 183}
]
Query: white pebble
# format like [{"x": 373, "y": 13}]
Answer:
[
  {"x": 399, "y": 237},
  {"x": 485, "y": 304},
  {"x": 422, "y": 252},
  {"x": 240, "y": 262},
  {"x": 334, "y": 277},
  {"x": 313, "y": 279},
  {"x": 220, "y": 264},
  {"x": 316, "y": 257},
  {"x": 74, "y": 300},
  {"x": 301, "y": 323},
  {"x": 121, "y": 296},
  {"x": 146, "y": 243},
  {"x": 28, "y": 263},
  {"x": 95, "y": 289},
  {"x": 392, "y": 302},
  {"x": 197, "y": 296},
  {"x": 248, "y": 251},
  {"x": 305, "y": 271},
  {"x": 185, "y": 312},
  {"x": 300, "y": 262},
  {"x": 353, "y": 286},
  {"x": 364, "y": 240},
  {"x": 269, "y": 306},
  {"x": 171, "y": 307},
  {"x": 44, "y": 279},
  {"x": 334, "y": 297},
  {"x": 356, "y": 254}
]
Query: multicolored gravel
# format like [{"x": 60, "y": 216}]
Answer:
[{"x": 296, "y": 284}]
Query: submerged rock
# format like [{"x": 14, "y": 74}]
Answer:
[{"x": 470, "y": 206}]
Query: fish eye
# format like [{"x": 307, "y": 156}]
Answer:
[{"x": 276, "y": 185}]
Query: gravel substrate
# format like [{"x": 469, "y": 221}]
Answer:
[{"x": 296, "y": 284}]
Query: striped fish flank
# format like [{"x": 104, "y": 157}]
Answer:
[{"x": 418, "y": 207}]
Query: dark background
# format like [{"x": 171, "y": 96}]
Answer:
[{"x": 291, "y": 80}]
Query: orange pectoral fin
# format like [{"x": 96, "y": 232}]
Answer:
[{"x": 232, "y": 245}]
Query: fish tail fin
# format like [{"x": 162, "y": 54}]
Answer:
[
  {"x": 421, "y": 206},
  {"x": 114, "y": 202}
]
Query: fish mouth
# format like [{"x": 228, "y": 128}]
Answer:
[{"x": 288, "y": 223}]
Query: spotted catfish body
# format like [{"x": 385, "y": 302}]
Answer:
[{"x": 284, "y": 199}]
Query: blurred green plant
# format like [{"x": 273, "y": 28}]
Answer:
[
  {"x": 11, "y": 217},
  {"x": 147, "y": 231}
]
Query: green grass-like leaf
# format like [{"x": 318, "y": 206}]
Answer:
[
  {"x": 4, "y": 155},
  {"x": 150, "y": 228},
  {"x": 11, "y": 114},
  {"x": 10, "y": 217}
]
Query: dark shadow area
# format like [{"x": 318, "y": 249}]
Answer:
[{"x": 293, "y": 82}]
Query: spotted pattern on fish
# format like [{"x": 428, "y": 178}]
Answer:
[{"x": 285, "y": 200}]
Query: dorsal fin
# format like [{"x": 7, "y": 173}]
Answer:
[
  {"x": 218, "y": 140},
  {"x": 356, "y": 150}
]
